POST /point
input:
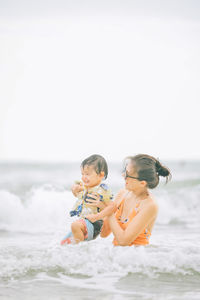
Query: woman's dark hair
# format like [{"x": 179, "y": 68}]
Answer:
[
  {"x": 99, "y": 163},
  {"x": 149, "y": 169}
]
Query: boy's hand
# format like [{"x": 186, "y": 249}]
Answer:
[
  {"x": 77, "y": 188},
  {"x": 92, "y": 217}
]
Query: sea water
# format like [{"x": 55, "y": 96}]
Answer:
[{"x": 35, "y": 200}]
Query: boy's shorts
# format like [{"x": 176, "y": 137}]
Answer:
[{"x": 92, "y": 230}]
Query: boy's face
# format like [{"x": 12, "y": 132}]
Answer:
[{"x": 90, "y": 177}]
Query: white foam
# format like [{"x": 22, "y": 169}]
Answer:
[
  {"x": 97, "y": 258},
  {"x": 11, "y": 208},
  {"x": 43, "y": 209},
  {"x": 37, "y": 224},
  {"x": 47, "y": 208},
  {"x": 180, "y": 205}
]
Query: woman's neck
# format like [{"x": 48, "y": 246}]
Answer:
[{"x": 140, "y": 194}]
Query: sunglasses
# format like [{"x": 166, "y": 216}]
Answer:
[{"x": 129, "y": 176}]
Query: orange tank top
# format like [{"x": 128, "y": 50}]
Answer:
[{"x": 142, "y": 238}]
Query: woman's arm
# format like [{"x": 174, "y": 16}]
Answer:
[
  {"x": 110, "y": 208},
  {"x": 107, "y": 211},
  {"x": 105, "y": 230},
  {"x": 135, "y": 227}
]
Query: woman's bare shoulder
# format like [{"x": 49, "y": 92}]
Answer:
[{"x": 151, "y": 203}]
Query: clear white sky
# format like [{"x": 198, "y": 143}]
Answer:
[{"x": 110, "y": 77}]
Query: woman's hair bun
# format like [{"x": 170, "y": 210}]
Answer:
[{"x": 161, "y": 170}]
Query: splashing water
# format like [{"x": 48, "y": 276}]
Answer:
[{"x": 33, "y": 265}]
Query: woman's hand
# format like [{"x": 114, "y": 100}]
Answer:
[
  {"x": 95, "y": 201},
  {"x": 109, "y": 210},
  {"x": 92, "y": 217}
]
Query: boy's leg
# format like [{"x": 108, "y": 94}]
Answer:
[
  {"x": 78, "y": 231},
  {"x": 89, "y": 229},
  {"x": 67, "y": 239},
  {"x": 82, "y": 229}
]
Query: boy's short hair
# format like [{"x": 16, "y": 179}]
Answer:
[{"x": 99, "y": 163}]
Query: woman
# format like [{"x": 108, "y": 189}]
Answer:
[{"x": 135, "y": 208}]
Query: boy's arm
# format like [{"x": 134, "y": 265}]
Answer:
[{"x": 77, "y": 188}]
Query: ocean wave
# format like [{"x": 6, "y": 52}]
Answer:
[
  {"x": 97, "y": 258},
  {"x": 43, "y": 209},
  {"x": 46, "y": 208}
]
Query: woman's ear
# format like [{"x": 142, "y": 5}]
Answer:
[{"x": 144, "y": 183}]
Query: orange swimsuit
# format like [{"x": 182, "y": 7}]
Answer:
[{"x": 142, "y": 238}]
